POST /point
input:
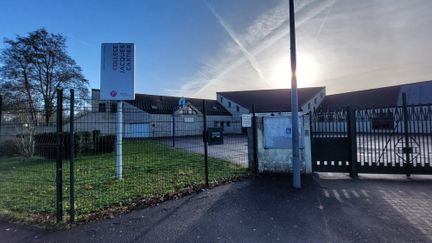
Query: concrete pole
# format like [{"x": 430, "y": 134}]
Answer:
[
  {"x": 294, "y": 101},
  {"x": 119, "y": 138}
]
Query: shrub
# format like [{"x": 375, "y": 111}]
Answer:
[
  {"x": 8, "y": 148},
  {"x": 46, "y": 145},
  {"x": 95, "y": 133},
  {"x": 105, "y": 144},
  {"x": 84, "y": 144}
]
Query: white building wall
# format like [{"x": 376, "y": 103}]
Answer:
[
  {"x": 235, "y": 109},
  {"x": 231, "y": 125},
  {"x": 314, "y": 102}
]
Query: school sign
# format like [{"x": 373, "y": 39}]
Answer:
[{"x": 117, "y": 71}]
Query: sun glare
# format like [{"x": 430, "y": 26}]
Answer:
[{"x": 280, "y": 76}]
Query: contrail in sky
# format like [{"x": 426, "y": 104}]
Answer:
[
  {"x": 324, "y": 21},
  {"x": 252, "y": 61},
  {"x": 266, "y": 43}
]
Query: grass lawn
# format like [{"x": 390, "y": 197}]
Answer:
[{"x": 27, "y": 185}]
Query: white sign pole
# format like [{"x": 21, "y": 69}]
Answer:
[
  {"x": 118, "y": 83},
  {"x": 119, "y": 132}
]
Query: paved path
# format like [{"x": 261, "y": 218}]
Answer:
[
  {"x": 233, "y": 149},
  {"x": 330, "y": 209}
]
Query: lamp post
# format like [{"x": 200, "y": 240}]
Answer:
[{"x": 294, "y": 102}]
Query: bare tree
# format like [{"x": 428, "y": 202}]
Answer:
[
  {"x": 25, "y": 131},
  {"x": 34, "y": 67}
]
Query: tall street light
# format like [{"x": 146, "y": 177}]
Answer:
[{"x": 294, "y": 102}]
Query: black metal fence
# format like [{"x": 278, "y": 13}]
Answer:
[
  {"x": 27, "y": 182},
  {"x": 373, "y": 140},
  {"x": 68, "y": 169}
]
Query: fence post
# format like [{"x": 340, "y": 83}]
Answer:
[
  {"x": 1, "y": 107},
  {"x": 352, "y": 136},
  {"x": 119, "y": 140},
  {"x": 311, "y": 113},
  {"x": 407, "y": 149},
  {"x": 59, "y": 165},
  {"x": 255, "y": 140},
  {"x": 71, "y": 157},
  {"x": 205, "y": 140},
  {"x": 173, "y": 128}
]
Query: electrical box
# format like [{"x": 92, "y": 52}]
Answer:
[
  {"x": 215, "y": 136},
  {"x": 278, "y": 132}
]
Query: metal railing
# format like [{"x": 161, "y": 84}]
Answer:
[
  {"x": 65, "y": 170},
  {"x": 380, "y": 140}
]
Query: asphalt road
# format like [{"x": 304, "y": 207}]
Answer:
[
  {"x": 234, "y": 148},
  {"x": 330, "y": 209}
]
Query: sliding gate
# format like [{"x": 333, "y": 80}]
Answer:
[{"x": 390, "y": 140}]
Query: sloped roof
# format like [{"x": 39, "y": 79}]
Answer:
[
  {"x": 380, "y": 97},
  {"x": 157, "y": 104},
  {"x": 270, "y": 100},
  {"x": 417, "y": 93}
]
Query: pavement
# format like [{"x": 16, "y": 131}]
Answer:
[
  {"x": 328, "y": 208},
  {"x": 233, "y": 149}
]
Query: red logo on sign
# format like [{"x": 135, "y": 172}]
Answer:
[{"x": 113, "y": 93}]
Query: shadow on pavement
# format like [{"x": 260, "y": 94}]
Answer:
[{"x": 329, "y": 208}]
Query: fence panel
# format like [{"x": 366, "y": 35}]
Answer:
[
  {"x": 330, "y": 141},
  {"x": 380, "y": 140},
  {"x": 227, "y": 151},
  {"x": 391, "y": 140},
  {"x": 28, "y": 147},
  {"x": 162, "y": 157}
]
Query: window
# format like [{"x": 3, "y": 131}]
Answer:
[
  {"x": 221, "y": 99},
  {"x": 229, "y": 104},
  {"x": 228, "y": 124},
  {"x": 113, "y": 107},
  {"x": 238, "y": 108},
  {"x": 102, "y": 107},
  {"x": 309, "y": 106},
  {"x": 222, "y": 124},
  {"x": 315, "y": 101},
  {"x": 216, "y": 123}
]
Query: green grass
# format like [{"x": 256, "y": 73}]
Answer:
[{"x": 27, "y": 185}]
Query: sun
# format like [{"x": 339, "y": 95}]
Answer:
[{"x": 280, "y": 76}]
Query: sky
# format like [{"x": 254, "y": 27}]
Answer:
[{"x": 196, "y": 48}]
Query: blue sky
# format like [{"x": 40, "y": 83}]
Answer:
[{"x": 196, "y": 47}]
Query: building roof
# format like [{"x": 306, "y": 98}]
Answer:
[
  {"x": 380, "y": 97},
  {"x": 417, "y": 93},
  {"x": 157, "y": 104},
  {"x": 270, "y": 100},
  {"x": 387, "y": 96}
]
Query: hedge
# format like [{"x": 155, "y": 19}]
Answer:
[{"x": 85, "y": 143}]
